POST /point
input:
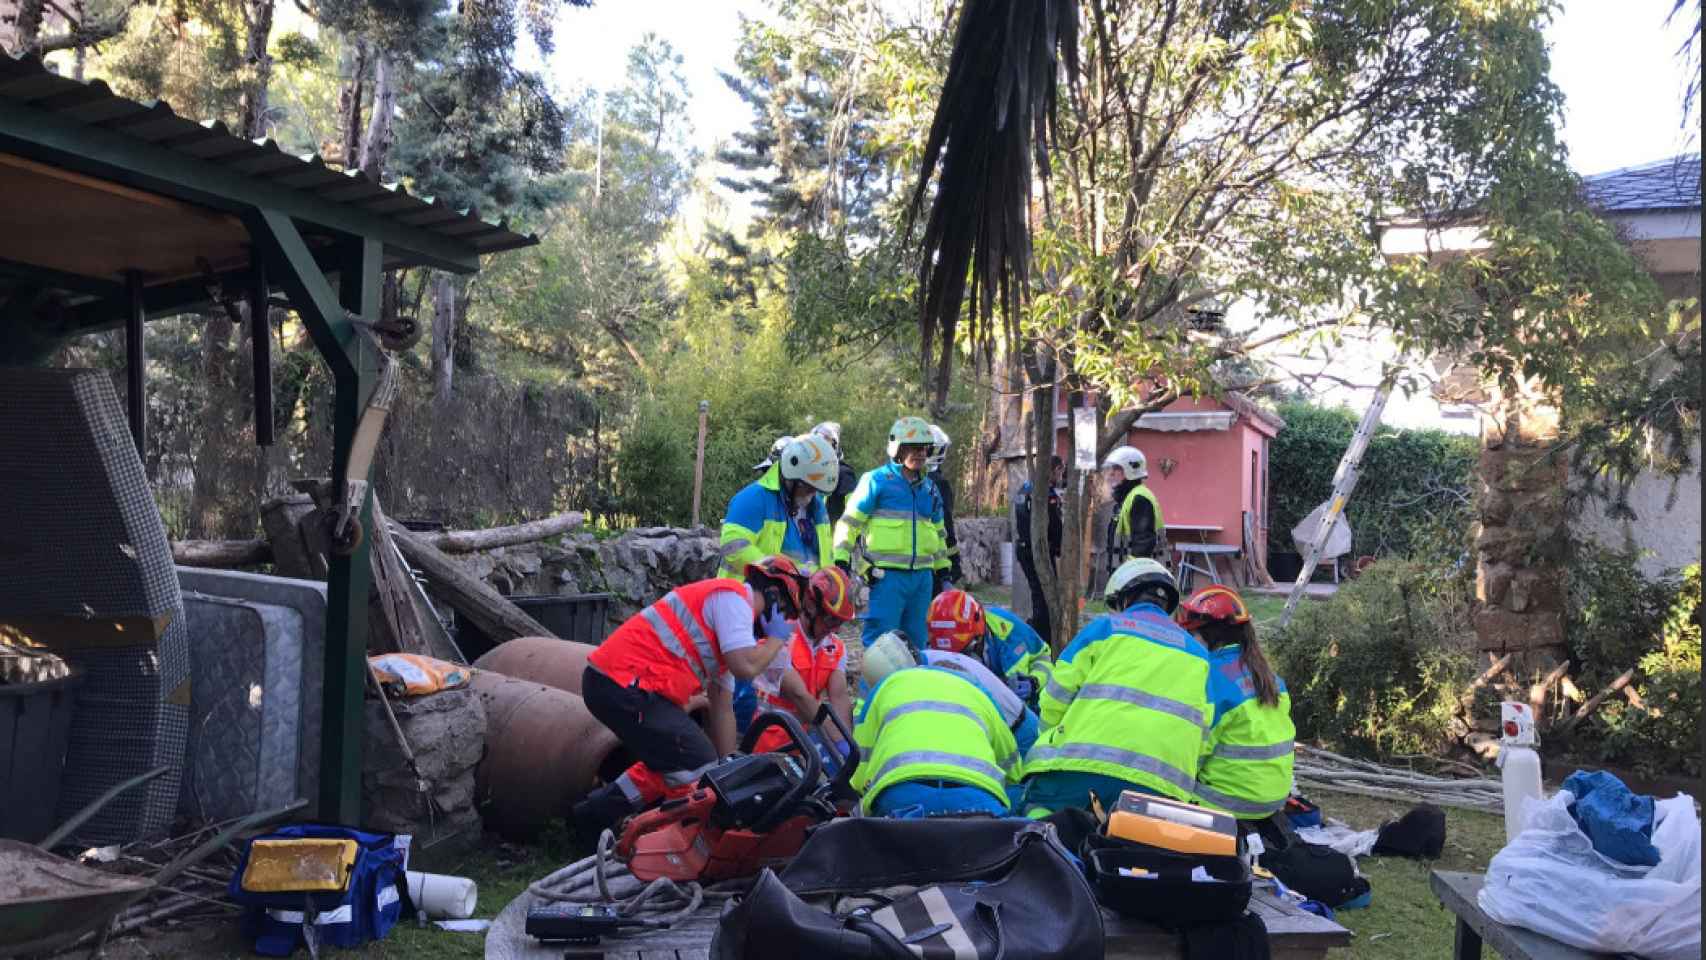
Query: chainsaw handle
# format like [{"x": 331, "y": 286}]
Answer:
[
  {"x": 808, "y": 756},
  {"x": 842, "y": 785}
]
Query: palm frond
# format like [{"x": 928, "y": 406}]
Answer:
[{"x": 992, "y": 122}]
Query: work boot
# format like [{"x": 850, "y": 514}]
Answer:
[{"x": 600, "y": 810}]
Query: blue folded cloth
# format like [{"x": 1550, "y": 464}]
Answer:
[{"x": 1617, "y": 820}]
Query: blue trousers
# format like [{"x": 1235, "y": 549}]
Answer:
[
  {"x": 746, "y": 705},
  {"x": 1058, "y": 789},
  {"x": 922, "y": 798},
  {"x": 900, "y": 601}
]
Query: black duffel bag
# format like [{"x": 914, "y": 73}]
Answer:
[{"x": 935, "y": 888}]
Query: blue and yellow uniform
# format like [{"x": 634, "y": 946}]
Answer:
[
  {"x": 1012, "y": 648},
  {"x": 932, "y": 741},
  {"x": 901, "y": 523},
  {"x": 760, "y": 524},
  {"x": 1247, "y": 759}
]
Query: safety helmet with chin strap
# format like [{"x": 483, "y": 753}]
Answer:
[
  {"x": 908, "y": 432},
  {"x": 831, "y": 431},
  {"x": 887, "y": 654},
  {"x": 774, "y": 455},
  {"x": 1130, "y": 460},
  {"x": 938, "y": 448},
  {"x": 780, "y": 574},
  {"x": 811, "y": 460},
  {"x": 1141, "y": 578}
]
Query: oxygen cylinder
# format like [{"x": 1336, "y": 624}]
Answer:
[{"x": 1519, "y": 764}]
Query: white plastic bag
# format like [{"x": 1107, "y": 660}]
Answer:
[
  {"x": 1551, "y": 880},
  {"x": 1338, "y": 835}
]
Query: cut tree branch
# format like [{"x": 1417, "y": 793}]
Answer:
[
  {"x": 221, "y": 553},
  {"x": 468, "y": 541}
]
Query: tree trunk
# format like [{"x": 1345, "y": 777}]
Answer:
[
  {"x": 221, "y": 553},
  {"x": 475, "y": 599},
  {"x": 258, "y": 16},
  {"x": 1042, "y": 369},
  {"x": 349, "y": 107},
  {"x": 27, "y": 28},
  {"x": 468, "y": 541},
  {"x": 377, "y": 144},
  {"x": 443, "y": 337}
]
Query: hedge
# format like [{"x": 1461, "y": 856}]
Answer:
[{"x": 1414, "y": 497}]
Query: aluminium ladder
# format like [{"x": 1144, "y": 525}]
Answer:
[{"x": 1344, "y": 481}]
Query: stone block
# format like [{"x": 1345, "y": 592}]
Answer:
[
  {"x": 1502, "y": 631},
  {"x": 1534, "y": 590},
  {"x": 1492, "y": 580},
  {"x": 1495, "y": 507}
]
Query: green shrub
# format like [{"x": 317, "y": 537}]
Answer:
[
  {"x": 1379, "y": 668},
  {"x": 1619, "y": 619},
  {"x": 1413, "y": 497}
]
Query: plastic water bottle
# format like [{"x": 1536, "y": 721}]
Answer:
[{"x": 1519, "y": 764}]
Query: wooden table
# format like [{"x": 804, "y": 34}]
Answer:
[
  {"x": 1293, "y": 934},
  {"x": 1458, "y": 892}
]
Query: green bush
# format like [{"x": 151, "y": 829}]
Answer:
[
  {"x": 1412, "y": 500},
  {"x": 1378, "y": 669},
  {"x": 1619, "y": 619},
  {"x": 759, "y": 387}
]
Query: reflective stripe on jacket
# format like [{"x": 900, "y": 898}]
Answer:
[
  {"x": 900, "y": 520},
  {"x": 1129, "y": 699},
  {"x": 1013, "y": 648},
  {"x": 668, "y": 647},
  {"x": 927, "y": 723},
  {"x": 759, "y": 525},
  {"x": 815, "y": 668},
  {"x": 1122, "y": 522},
  {"x": 1246, "y": 764}
]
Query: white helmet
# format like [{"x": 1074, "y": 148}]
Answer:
[
  {"x": 812, "y": 459},
  {"x": 1130, "y": 460},
  {"x": 938, "y": 448},
  {"x": 908, "y": 432},
  {"x": 1144, "y": 575},
  {"x": 831, "y": 431},
  {"x": 774, "y": 455},
  {"x": 885, "y": 655}
]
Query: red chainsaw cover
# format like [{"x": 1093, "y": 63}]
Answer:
[{"x": 681, "y": 843}]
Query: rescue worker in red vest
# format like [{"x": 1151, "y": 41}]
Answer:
[
  {"x": 698, "y": 638},
  {"x": 1128, "y": 706},
  {"x": 816, "y": 668},
  {"x": 932, "y": 741},
  {"x": 1246, "y": 770},
  {"x": 1004, "y": 643}
]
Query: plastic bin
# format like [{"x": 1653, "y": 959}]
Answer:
[
  {"x": 35, "y": 730},
  {"x": 582, "y": 617}
]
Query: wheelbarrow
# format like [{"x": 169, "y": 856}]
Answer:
[{"x": 48, "y": 902}]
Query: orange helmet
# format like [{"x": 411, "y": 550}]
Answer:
[
  {"x": 1213, "y": 604},
  {"x": 956, "y": 621},
  {"x": 783, "y": 573},
  {"x": 830, "y": 589}
]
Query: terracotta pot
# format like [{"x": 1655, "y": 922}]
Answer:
[
  {"x": 544, "y": 751},
  {"x": 557, "y": 663}
]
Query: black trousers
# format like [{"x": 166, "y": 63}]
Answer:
[
  {"x": 1039, "y": 619},
  {"x": 655, "y": 731}
]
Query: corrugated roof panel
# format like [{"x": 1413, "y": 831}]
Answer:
[{"x": 28, "y": 81}]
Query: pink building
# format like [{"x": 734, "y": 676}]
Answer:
[{"x": 1208, "y": 466}]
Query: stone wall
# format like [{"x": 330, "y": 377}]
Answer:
[
  {"x": 1521, "y": 541},
  {"x": 641, "y": 565}
]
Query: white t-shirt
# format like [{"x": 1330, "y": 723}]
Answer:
[
  {"x": 729, "y": 614},
  {"x": 1007, "y": 703}
]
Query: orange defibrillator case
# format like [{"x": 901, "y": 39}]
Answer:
[{"x": 1171, "y": 825}]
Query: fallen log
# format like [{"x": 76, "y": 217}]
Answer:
[
  {"x": 1586, "y": 710},
  {"x": 475, "y": 599},
  {"x": 468, "y": 541},
  {"x": 221, "y": 553}
]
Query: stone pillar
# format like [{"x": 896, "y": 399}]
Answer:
[{"x": 1521, "y": 540}]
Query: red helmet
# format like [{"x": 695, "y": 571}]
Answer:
[
  {"x": 832, "y": 592},
  {"x": 1210, "y": 605},
  {"x": 782, "y": 572},
  {"x": 956, "y": 621}
]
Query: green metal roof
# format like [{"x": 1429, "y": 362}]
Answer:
[{"x": 52, "y": 118}]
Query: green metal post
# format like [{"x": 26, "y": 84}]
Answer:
[{"x": 354, "y": 365}]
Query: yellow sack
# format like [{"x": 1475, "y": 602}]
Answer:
[
  {"x": 299, "y": 865},
  {"x": 412, "y": 675}
]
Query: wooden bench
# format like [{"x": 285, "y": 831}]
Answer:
[
  {"x": 1458, "y": 893},
  {"x": 1293, "y": 934}
]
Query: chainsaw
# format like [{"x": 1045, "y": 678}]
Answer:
[{"x": 752, "y": 810}]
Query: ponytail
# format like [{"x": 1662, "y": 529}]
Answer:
[{"x": 1254, "y": 660}]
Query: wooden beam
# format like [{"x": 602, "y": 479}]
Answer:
[
  {"x": 110, "y": 156},
  {"x": 491, "y": 611},
  {"x": 136, "y": 363},
  {"x": 260, "y": 349},
  {"x": 468, "y": 541},
  {"x": 221, "y": 553}
]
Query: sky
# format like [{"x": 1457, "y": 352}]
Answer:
[{"x": 1614, "y": 60}]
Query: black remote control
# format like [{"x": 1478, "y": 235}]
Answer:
[{"x": 571, "y": 922}]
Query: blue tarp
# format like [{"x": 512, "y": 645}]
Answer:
[{"x": 1617, "y": 820}]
